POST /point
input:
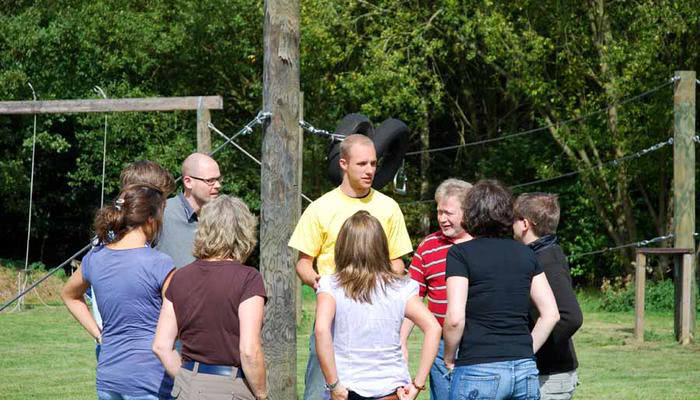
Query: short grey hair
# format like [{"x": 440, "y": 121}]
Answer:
[
  {"x": 226, "y": 229},
  {"x": 452, "y": 187}
]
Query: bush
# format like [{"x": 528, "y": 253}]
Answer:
[
  {"x": 618, "y": 295},
  {"x": 659, "y": 296}
]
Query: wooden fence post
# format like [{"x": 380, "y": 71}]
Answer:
[
  {"x": 279, "y": 192},
  {"x": 639, "y": 281},
  {"x": 686, "y": 292},
  {"x": 684, "y": 191}
]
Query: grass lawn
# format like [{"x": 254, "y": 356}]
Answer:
[{"x": 45, "y": 354}]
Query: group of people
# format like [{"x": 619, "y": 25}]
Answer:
[
  {"x": 161, "y": 334},
  {"x": 501, "y": 305},
  {"x": 178, "y": 315}
]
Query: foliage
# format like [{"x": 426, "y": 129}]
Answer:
[
  {"x": 617, "y": 295},
  {"x": 456, "y": 72},
  {"x": 65, "y": 48}
]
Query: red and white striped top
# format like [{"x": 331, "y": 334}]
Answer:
[{"x": 428, "y": 269}]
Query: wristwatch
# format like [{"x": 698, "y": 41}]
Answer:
[{"x": 331, "y": 386}]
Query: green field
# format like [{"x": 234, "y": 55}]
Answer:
[{"x": 45, "y": 354}]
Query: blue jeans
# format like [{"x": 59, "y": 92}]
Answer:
[
  {"x": 439, "y": 385},
  {"x": 515, "y": 379},
  {"x": 314, "y": 381},
  {"x": 108, "y": 395}
]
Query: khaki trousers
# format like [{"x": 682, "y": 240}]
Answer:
[{"x": 192, "y": 385}]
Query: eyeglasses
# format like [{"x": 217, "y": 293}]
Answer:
[{"x": 209, "y": 181}]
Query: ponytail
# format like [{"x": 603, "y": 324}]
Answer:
[{"x": 136, "y": 206}]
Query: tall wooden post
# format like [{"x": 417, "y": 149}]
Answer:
[
  {"x": 203, "y": 132},
  {"x": 684, "y": 198},
  {"x": 299, "y": 289},
  {"x": 280, "y": 192}
]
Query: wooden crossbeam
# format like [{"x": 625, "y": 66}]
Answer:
[{"x": 112, "y": 105}]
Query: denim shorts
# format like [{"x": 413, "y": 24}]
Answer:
[{"x": 516, "y": 379}]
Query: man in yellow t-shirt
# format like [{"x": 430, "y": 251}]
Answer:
[{"x": 315, "y": 234}]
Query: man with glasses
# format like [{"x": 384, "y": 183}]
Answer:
[{"x": 202, "y": 181}]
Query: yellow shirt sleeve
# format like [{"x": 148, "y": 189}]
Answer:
[
  {"x": 308, "y": 235},
  {"x": 398, "y": 238}
]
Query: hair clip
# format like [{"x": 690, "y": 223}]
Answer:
[
  {"x": 118, "y": 204},
  {"x": 111, "y": 236}
]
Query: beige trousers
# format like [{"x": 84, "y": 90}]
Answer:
[{"x": 191, "y": 385}]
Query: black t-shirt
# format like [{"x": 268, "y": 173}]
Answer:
[{"x": 500, "y": 273}]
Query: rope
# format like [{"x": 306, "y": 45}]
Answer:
[
  {"x": 230, "y": 140},
  {"x": 99, "y": 90},
  {"x": 259, "y": 119},
  {"x": 546, "y": 127},
  {"x": 20, "y": 287},
  {"x": 320, "y": 132},
  {"x": 247, "y": 129},
  {"x": 641, "y": 243},
  {"x": 614, "y": 162},
  {"x": 53, "y": 271}
]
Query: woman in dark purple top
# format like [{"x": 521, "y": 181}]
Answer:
[
  {"x": 490, "y": 283},
  {"x": 215, "y": 306},
  {"x": 128, "y": 278}
]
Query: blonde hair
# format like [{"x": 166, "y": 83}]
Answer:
[
  {"x": 352, "y": 140},
  {"x": 226, "y": 229},
  {"x": 452, "y": 187},
  {"x": 362, "y": 257}
]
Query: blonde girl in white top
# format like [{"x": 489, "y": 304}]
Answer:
[{"x": 359, "y": 312}]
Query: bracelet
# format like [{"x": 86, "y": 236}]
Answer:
[
  {"x": 331, "y": 386},
  {"x": 420, "y": 388}
]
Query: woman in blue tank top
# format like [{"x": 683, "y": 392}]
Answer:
[{"x": 128, "y": 278}]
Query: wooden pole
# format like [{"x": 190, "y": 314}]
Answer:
[
  {"x": 203, "y": 133},
  {"x": 280, "y": 192},
  {"x": 111, "y": 105},
  {"x": 300, "y": 155},
  {"x": 203, "y": 105},
  {"x": 639, "y": 281},
  {"x": 686, "y": 291},
  {"x": 684, "y": 185}
]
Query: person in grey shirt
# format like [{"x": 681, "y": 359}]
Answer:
[{"x": 202, "y": 181}]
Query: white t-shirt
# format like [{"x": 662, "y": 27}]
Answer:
[{"x": 366, "y": 337}]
